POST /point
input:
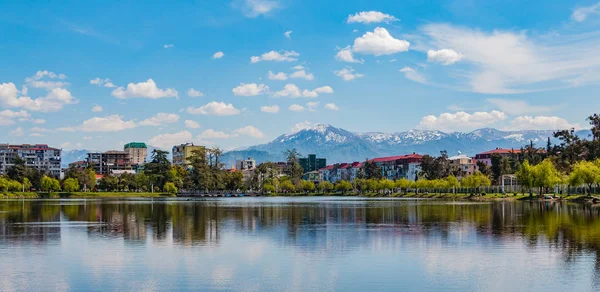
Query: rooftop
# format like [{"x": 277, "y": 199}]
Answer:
[
  {"x": 394, "y": 158},
  {"x": 135, "y": 145}
]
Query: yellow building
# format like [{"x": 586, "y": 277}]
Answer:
[{"x": 183, "y": 152}]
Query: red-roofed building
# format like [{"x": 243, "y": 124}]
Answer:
[
  {"x": 39, "y": 156},
  {"x": 396, "y": 167},
  {"x": 486, "y": 157}
]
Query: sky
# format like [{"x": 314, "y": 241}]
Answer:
[{"x": 96, "y": 75}]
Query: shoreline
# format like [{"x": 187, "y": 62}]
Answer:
[{"x": 435, "y": 196}]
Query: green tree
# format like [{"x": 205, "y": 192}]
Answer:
[
  {"x": 287, "y": 186},
  {"x": 4, "y": 184},
  {"x": 88, "y": 179},
  {"x": 15, "y": 186},
  {"x": 268, "y": 188},
  {"x": 26, "y": 184},
  {"x": 585, "y": 173},
  {"x": 343, "y": 186},
  {"x": 308, "y": 186},
  {"x": 476, "y": 181},
  {"x": 525, "y": 175},
  {"x": 546, "y": 175},
  {"x": 370, "y": 170},
  {"x": 452, "y": 183},
  {"x": 18, "y": 171},
  {"x": 71, "y": 185},
  {"x": 170, "y": 188},
  {"x": 49, "y": 184},
  {"x": 158, "y": 168},
  {"x": 108, "y": 183},
  {"x": 325, "y": 186}
]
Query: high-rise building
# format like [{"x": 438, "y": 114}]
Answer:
[
  {"x": 183, "y": 152},
  {"x": 40, "y": 156},
  {"x": 106, "y": 162},
  {"x": 137, "y": 152},
  {"x": 312, "y": 163},
  {"x": 245, "y": 164}
]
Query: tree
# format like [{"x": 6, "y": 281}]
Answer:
[
  {"x": 325, "y": 186},
  {"x": 435, "y": 167},
  {"x": 71, "y": 185},
  {"x": 235, "y": 180},
  {"x": 4, "y": 184},
  {"x": 88, "y": 178},
  {"x": 158, "y": 168},
  {"x": 287, "y": 186},
  {"x": 476, "y": 181},
  {"x": 370, "y": 170},
  {"x": 14, "y": 186},
  {"x": 108, "y": 183},
  {"x": 343, "y": 186},
  {"x": 170, "y": 188},
  {"x": 385, "y": 185},
  {"x": 483, "y": 167},
  {"x": 18, "y": 171},
  {"x": 49, "y": 184},
  {"x": 26, "y": 184},
  {"x": 496, "y": 167},
  {"x": 525, "y": 175},
  {"x": 546, "y": 175},
  {"x": 452, "y": 183},
  {"x": 268, "y": 188},
  {"x": 403, "y": 184},
  {"x": 585, "y": 172},
  {"x": 308, "y": 186}
]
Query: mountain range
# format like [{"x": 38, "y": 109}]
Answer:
[{"x": 339, "y": 145}]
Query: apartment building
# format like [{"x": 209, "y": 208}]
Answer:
[
  {"x": 396, "y": 167},
  {"x": 40, "y": 156},
  {"x": 107, "y": 162},
  {"x": 138, "y": 152},
  {"x": 486, "y": 157},
  {"x": 463, "y": 162},
  {"x": 312, "y": 163},
  {"x": 183, "y": 152},
  {"x": 245, "y": 164}
]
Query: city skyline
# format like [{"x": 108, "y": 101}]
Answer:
[{"x": 241, "y": 73}]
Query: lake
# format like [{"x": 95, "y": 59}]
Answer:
[{"x": 297, "y": 244}]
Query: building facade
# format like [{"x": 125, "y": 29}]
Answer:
[
  {"x": 312, "y": 163},
  {"x": 464, "y": 163},
  {"x": 245, "y": 164},
  {"x": 486, "y": 157},
  {"x": 183, "y": 152},
  {"x": 106, "y": 162},
  {"x": 397, "y": 167},
  {"x": 40, "y": 156},
  {"x": 138, "y": 152}
]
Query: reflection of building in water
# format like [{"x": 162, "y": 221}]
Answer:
[{"x": 198, "y": 224}]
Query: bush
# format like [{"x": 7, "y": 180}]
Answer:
[{"x": 170, "y": 188}]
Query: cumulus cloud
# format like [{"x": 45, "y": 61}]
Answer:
[
  {"x": 254, "y": 8},
  {"x": 347, "y": 74},
  {"x": 218, "y": 55},
  {"x": 378, "y": 43},
  {"x": 541, "y": 123},
  {"x": 370, "y": 17},
  {"x": 312, "y": 106},
  {"x": 160, "y": 119},
  {"x": 332, "y": 106},
  {"x": 301, "y": 126},
  {"x": 269, "y": 109},
  {"x": 53, "y": 101},
  {"x": 444, "y": 56},
  {"x": 7, "y": 117},
  {"x": 194, "y": 93},
  {"x": 287, "y": 56},
  {"x": 214, "y": 108},
  {"x": 191, "y": 124},
  {"x": 97, "y": 109},
  {"x": 166, "y": 141},
  {"x": 296, "y": 108},
  {"x": 146, "y": 89},
  {"x": 37, "y": 81},
  {"x": 168, "y": 46},
  {"x": 288, "y": 34},
  {"x": 581, "y": 13},
  {"x": 212, "y": 134},
  {"x": 506, "y": 62},
  {"x": 250, "y": 131},
  {"x": 278, "y": 76},
  {"x": 461, "y": 121},
  {"x": 518, "y": 107},
  {"x": 17, "y": 132},
  {"x": 413, "y": 75},
  {"x": 302, "y": 75},
  {"x": 250, "y": 89},
  {"x": 102, "y": 82},
  {"x": 113, "y": 123},
  {"x": 345, "y": 55},
  {"x": 292, "y": 90}
]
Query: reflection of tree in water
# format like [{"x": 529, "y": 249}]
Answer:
[{"x": 332, "y": 226}]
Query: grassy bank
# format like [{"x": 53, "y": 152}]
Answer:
[{"x": 56, "y": 195}]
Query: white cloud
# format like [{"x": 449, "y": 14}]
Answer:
[
  {"x": 102, "y": 82},
  {"x": 168, "y": 46},
  {"x": 332, "y": 106},
  {"x": 298, "y": 67},
  {"x": 37, "y": 82},
  {"x": 146, "y": 89},
  {"x": 212, "y": 134},
  {"x": 38, "y": 121},
  {"x": 39, "y": 130},
  {"x": 254, "y": 8},
  {"x": 97, "y": 109},
  {"x": 87, "y": 138},
  {"x": 250, "y": 89},
  {"x": 17, "y": 132},
  {"x": 345, "y": 55},
  {"x": 250, "y": 131},
  {"x": 461, "y": 121},
  {"x": 36, "y": 135},
  {"x": 269, "y": 109},
  {"x": 191, "y": 124},
  {"x": 51, "y": 102},
  {"x": 581, "y": 13},
  {"x": 278, "y": 76},
  {"x": 287, "y": 56},
  {"x": 296, "y": 108},
  {"x": 7, "y": 117},
  {"x": 288, "y": 34},
  {"x": 444, "y": 56},
  {"x": 312, "y": 105},
  {"x": 301, "y": 126},
  {"x": 518, "y": 107},
  {"x": 292, "y": 90},
  {"x": 160, "y": 119},
  {"x": 218, "y": 55},
  {"x": 112, "y": 123},
  {"x": 507, "y": 62},
  {"x": 167, "y": 141},
  {"x": 370, "y": 17},
  {"x": 214, "y": 108},
  {"x": 413, "y": 75},
  {"x": 347, "y": 74},
  {"x": 541, "y": 123},
  {"x": 303, "y": 75},
  {"x": 194, "y": 93},
  {"x": 379, "y": 42}
]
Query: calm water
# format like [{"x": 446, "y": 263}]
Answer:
[{"x": 297, "y": 244}]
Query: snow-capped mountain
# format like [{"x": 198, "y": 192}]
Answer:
[{"x": 339, "y": 145}]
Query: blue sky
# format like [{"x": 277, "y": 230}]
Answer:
[{"x": 96, "y": 75}]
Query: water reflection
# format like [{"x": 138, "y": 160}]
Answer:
[{"x": 299, "y": 243}]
